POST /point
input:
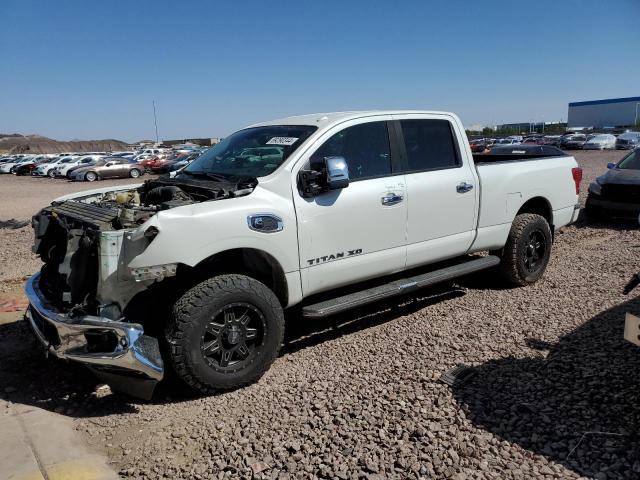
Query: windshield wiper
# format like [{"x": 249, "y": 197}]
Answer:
[{"x": 200, "y": 173}]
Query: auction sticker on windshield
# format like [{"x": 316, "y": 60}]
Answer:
[{"x": 282, "y": 141}]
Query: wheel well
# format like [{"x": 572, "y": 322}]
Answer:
[
  {"x": 251, "y": 262},
  {"x": 539, "y": 206}
]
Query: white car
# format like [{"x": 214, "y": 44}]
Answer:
[
  {"x": 45, "y": 169},
  {"x": 63, "y": 167},
  {"x": 5, "y": 167},
  {"x": 600, "y": 142},
  {"x": 358, "y": 206}
]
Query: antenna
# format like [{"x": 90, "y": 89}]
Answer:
[{"x": 155, "y": 120}]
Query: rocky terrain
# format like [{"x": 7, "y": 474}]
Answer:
[{"x": 16, "y": 143}]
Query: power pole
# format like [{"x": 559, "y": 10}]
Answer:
[{"x": 155, "y": 120}]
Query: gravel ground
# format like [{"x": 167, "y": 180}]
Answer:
[{"x": 555, "y": 392}]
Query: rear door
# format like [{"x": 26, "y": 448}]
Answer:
[
  {"x": 357, "y": 232},
  {"x": 442, "y": 188}
]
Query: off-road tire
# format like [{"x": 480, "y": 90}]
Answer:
[
  {"x": 136, "y": 174},
  {"x": 193, "y": 312},
  {"x": 512, "y": 266},
  {"x": 91, "y": 176}
]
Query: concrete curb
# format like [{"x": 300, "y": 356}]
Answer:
[{"x": 39, "y": 445}]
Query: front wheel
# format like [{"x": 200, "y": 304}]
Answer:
[
  {"x": 134, "y": 173},
  {"x": 527, "y": 251},
  {"x": 225, "y": 333},
  {"x": 90, "y": 176}
]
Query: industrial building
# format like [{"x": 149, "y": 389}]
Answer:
[
  {"x": 530, "y": 127},
  {"x": 614, "y": 112}
]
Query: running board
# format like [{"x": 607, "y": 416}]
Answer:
[{"x": 397, "y": 287}]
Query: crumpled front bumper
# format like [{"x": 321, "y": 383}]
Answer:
[{"x": 131, "y": 361}]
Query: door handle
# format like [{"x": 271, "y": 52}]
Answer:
[
  {"x": 391, "y": 199},
  {"x": 463, "y": 187}
]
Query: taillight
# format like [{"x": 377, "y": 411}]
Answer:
[{"x": 576, "y": 172}]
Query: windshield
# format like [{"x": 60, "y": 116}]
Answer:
[
  {"x": 631, "y": 161},
  {"x": 629, "y": 135},
  {"x": 253, "y": 152}
]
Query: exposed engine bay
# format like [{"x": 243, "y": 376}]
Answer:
[{"x": 87, "y": 242}]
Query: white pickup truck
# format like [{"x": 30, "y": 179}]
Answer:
[{"x": 326, "y": 212}]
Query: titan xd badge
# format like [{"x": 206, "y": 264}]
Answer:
[{"x": 334, "y": 256}]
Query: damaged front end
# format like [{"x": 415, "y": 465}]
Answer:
[{"x": 77, "y": 301}]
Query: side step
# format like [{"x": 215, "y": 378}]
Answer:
[{"x": 397, "y": 287}]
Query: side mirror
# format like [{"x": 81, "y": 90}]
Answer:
[
  {"x": 337, "y": 172},
  {"x": 332, "y": 173},
  {"x": 611, "y": 165}
]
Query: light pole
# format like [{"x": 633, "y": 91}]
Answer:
[{"x": 155, "y": 120}]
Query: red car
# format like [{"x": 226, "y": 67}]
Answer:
[
  {"x": 27, "y": 167},
  {"x": 478, "y": 146},
  {"x": 147, "y": 162}
]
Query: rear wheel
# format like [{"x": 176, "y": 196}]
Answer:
[
  {"x": 134, "y": 173},
  {"x": 225, "y": 333},
  {"x": 527, "y": 251},
  {"x": 90, "y": 176}
]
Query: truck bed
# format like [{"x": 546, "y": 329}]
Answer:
[
  {"x": 481, "y": 158},
  {"x": 508, "y": 181}
]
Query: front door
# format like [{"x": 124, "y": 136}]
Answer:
[{"x": 357, "y": 232}]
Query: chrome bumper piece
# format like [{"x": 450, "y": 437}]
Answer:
[{"x": 131, "y": 355}]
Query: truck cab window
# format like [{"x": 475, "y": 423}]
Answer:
[
  {"x": 429, "y": 145},
  {"x": 365, "y": 147}
]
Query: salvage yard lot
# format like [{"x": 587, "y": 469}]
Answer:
[{"x": 358, "y": 395}]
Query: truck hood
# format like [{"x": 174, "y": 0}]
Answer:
[{"x": 620, "y": 176}]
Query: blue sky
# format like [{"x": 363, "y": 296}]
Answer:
[{"x": 88, "y": 70}]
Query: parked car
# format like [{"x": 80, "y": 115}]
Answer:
[
  {"x": 161, "y": 165},
  {"x": 524, "y": 149},
  {"x": 47, "y": 168},
  {"x": 533, "y": 141},
  {"x": 251, "y": 236},
  {"x": 7, "y": 167},
  {"x": 26, "y": 168},
  {"x": 507, "y": 141},
  {"x": 628, "y": 140},
  {"x": 551, "y": 140},
  {"x": 146, "y": 163},
  {"x": 478, "y": 145},
  {"x": 604, "y": 141},
  {"x": 573, "y": 141},
  {"x": 617, "y": 192},
  {"x": 108, "y": 167},
  {"x": 63, "y": 167},
  {"x": 89, "y": 162},
  {"x": 184, "y": 161}
]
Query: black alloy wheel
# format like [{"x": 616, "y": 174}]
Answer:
[
  {"x": 534, "y": 251},
  {"x": 230, "y": 339}
]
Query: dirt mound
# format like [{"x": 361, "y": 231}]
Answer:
[{"x": 16, "y": 143}]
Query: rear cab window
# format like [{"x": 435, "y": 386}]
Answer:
[{"x": 429, "y": 144}]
